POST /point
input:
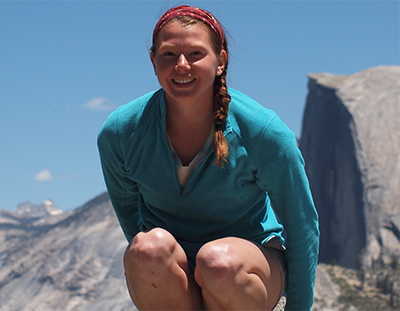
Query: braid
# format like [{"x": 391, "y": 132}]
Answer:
[{"x": 221, "y": 105}]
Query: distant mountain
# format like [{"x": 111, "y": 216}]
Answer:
[
  {"x": 48, "y": 208},
  {"x": 50, "y": 260},
  {"x": 351, "y": 144}
]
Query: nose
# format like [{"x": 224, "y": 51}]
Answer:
[{"x": 182, "y": 64}]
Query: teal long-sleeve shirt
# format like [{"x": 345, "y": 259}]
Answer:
[{"x": 265, "y": 169}]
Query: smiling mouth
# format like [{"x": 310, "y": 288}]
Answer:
[{"x": 183, "y": 81}]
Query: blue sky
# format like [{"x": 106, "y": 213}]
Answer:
[{"x": 65, "y": 65}]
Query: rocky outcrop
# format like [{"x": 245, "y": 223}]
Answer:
[{"x": 351, "y": 144}]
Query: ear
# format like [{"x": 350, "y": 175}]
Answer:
[
  {"x": 222, "y": 59},
  {"x": 153, "y": 62}
]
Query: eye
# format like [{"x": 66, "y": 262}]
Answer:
[
  {"x": 168, "y": 53},
  {"x": 196, "y": 53}
]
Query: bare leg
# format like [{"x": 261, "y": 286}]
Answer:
[
  {"x": 235, "y": 274},
  {"x": 157, "y": 273}
]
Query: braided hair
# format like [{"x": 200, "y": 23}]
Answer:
[{"x": 221, "y": 106}]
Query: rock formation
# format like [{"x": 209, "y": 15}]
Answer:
[{"x": 351, "y": 144}]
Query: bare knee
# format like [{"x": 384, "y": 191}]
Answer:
[
  {"x": 217, "y": 264},
  {"x": 148, "y": 249}
]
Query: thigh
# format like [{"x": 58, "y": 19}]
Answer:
[{"x": 239, "y": 254}]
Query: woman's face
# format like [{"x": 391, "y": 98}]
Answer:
[{"x": 186, "y": 64}]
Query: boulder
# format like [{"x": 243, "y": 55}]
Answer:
[{"x": 351, "y": 144}]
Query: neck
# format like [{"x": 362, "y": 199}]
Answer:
[
  {"x": 189, "y": 122},
  {"x": 189, "y": 117}
]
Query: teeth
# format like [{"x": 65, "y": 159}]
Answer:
[{"x": 183, "y": 81}]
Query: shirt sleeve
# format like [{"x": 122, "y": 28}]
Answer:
[
  {"x": 122, "y": 190},
  {"x": 282, "y": 174}
]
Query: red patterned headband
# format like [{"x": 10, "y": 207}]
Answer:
[{"x": 185, "y": 10}]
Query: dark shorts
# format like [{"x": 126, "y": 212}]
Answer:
[
  {"x": 191, "y": 249},
  {"x": 279, "y": 255}
]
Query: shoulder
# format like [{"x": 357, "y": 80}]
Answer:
[
  {"x": 248, "y": 114},
  {"x": 129, "y": 116},
  {"x": 247, "y": 106},
  {"x": 134, "y": 111}
]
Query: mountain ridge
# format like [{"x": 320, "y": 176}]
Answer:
[{"x": 71, "y": 263}]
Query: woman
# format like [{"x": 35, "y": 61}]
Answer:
[{"x": 193, "y": 171}]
